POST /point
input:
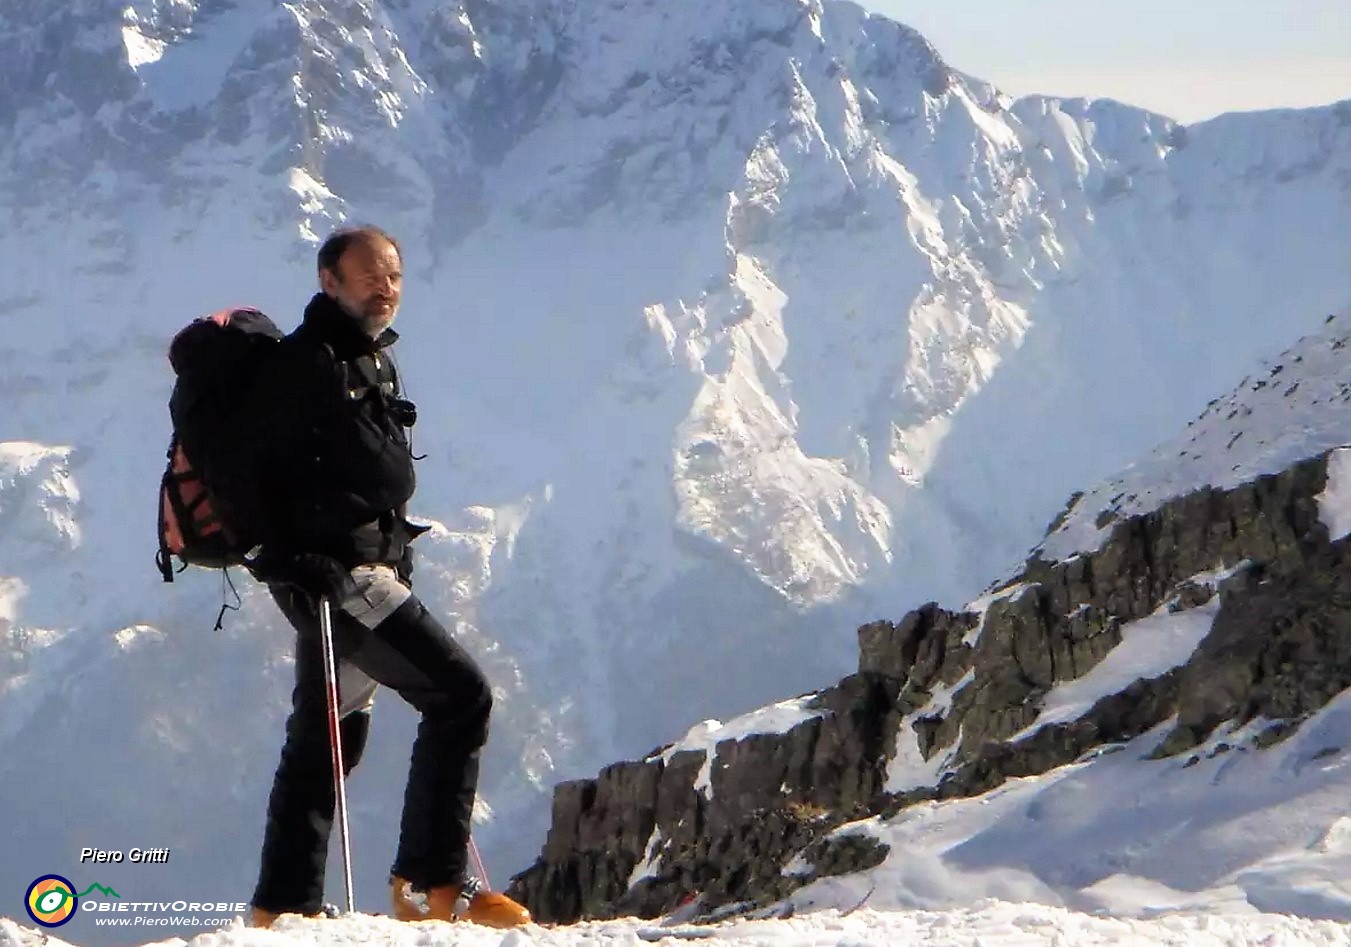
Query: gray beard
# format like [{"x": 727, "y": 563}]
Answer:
[{"x": 371, "y": 327}]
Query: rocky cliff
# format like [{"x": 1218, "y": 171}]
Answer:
[{"x": 1237, "y": 602}]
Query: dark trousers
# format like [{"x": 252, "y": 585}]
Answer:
[{"x": 409, "y": 652}]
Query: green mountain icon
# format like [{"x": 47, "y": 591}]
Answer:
[{"x": 107, "y": 892}]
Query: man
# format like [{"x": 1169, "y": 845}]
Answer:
[{"x": 343, "y": 474}]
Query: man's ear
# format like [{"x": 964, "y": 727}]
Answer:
[{"x": 328, "y": 281}]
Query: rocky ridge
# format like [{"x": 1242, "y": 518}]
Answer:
[{"x": 947, "y": 704}]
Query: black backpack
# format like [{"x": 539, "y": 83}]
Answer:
[{"x": 211, "y": 507}]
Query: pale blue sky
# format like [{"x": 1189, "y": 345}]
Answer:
[{"x": 1190, "y": 59}]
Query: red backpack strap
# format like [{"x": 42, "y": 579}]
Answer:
[
  {"x": 171, "y": 514},
  {"x": 182, "y": 519}
]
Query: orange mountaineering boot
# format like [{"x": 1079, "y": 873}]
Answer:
[
  {"x": 466, "y": 902},
  {"x": 261, "y": 918}
]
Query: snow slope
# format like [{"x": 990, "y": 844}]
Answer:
[
  {"x": 1228, "y": 831},
  {"x": 990, "y": 922},
  {"x": 1286, "y": 409},
  {"x": 731, "y": 326}
]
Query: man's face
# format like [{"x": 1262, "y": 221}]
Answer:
[{"x": 367, "y": 282}]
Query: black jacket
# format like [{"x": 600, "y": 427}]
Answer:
[{"x": 344, "y": 470}]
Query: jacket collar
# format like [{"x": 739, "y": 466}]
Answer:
[{"x": 326, "y": 319}]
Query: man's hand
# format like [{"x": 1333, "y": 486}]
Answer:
[
  {"x": 323, "y": 576},
  {"x": 314, "y": 574}
]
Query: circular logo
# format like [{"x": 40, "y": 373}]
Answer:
[{"x": 51, "y": 900}]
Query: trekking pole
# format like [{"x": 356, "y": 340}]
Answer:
[
  {"x": 479, "y": 866},
  {"x": 335, "y": 743}
]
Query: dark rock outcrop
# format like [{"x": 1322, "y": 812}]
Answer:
[
  {"x": 770, "y": 796},
  {"x": 1278, "y": 649}
]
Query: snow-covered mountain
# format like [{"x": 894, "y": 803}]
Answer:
[
  {"x": 731, "y": 325},
  {"x": 1150, "y": 715}
]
